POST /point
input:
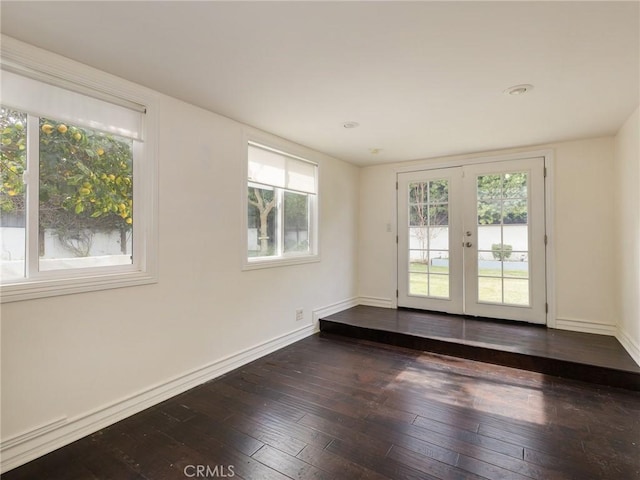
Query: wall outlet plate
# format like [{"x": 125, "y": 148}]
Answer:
[{"x": 299, "y": 315}]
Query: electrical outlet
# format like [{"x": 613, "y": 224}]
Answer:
[{"x": 299, "y": 315}]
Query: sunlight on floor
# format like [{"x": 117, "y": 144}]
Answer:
[{"x": 478, "y": 391}]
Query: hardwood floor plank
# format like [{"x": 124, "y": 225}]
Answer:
[
  {"x": 429, "y": 466},
  {"x": 292, "y": 467},
  {"x": 434, "y": 428},
  {"x": 269, "y": 434},
  {"x": 336, "y": 465},
  {"x": 383, "y": 465},
  {"x": 350, "y": 409}
]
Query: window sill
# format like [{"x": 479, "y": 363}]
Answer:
[
  {"x": 266, "y": 262},
  {"x": 54, "y": 287}
]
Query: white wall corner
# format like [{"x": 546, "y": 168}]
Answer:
[
  {"x": 629, "y": 344},
  {"x": 585, "y": 327},
  {"x": 377, "y": 302},
  {"x": 29, "y": 445},
  {"x": 321, "y": 312}
]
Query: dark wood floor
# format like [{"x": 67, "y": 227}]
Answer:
[
  {"x": 337, "y": 408},
  {"x": 580, "y": 356}
]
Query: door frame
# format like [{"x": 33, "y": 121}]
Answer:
[{"x": 549, "y": 210}]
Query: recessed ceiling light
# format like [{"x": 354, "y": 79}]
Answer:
[
  {"x": 518, "y": 89},
  {"x": 350, "y": 124}
]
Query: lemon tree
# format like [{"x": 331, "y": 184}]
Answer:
[
  {"x": 86, "y": 182},
  {"x": 13, "y": 155}
]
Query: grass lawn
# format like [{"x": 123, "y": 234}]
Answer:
[{"x": 434, "y": 282}]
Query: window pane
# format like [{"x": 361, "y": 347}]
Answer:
[
  {"x": 515, "y": 185},
  {"x": 439, "y": 286},
  {"x": 419, "y": 238},
  {"x": 261, "y": 234},
  {"x": 86, "y": 197},
  {"x": 418, "y": 284},
  {"x": 516, "y": 292},
  {"x": 489, "y": 213},
  {"x": 490, "y": 290},
  {"x": 296, "y": 222},
  {"x": 489, "y": 235},
  {"x": 515, "y": 212},
  {"x": 517, "y": 266},
  {"x": 418, "y": 260},
  {"x": 439, "y": 261},
  {"x": 417, "y": 193},
  {"x": 12, "y": 194},
  {"x": 418, "y": 215},
  {"x": 439, "y": 237},
  {"x": 517, "y": 236},
  {"x": 439, "y": 215},
  {"x": 490, "y": 186},
  {"x": 439, "y": 191},
  {"x": 489, "y": 268}
]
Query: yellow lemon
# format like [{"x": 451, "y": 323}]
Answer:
[
  {"x": 129, "y": 220},
  {"x": 100, "y": 151},
  {"x": 77, "y": 136},
  {"x": 62, "y": 128},
  {"x": 46, "y": 128}
]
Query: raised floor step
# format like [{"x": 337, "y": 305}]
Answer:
[{"x": 588, "y": 357}]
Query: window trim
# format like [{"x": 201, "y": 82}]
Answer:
[
  {"x": 18, "y": 55},
  {"x": 294, "y": 258}
]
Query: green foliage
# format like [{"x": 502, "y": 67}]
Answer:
[
  {"x": 502, "y": 199},
  {"x": 501, "y": 251},
  {"x": 13, "y": 154},
  {"x": 85, "y": 175}
]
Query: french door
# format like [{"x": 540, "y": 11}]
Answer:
[{"x": 471, "y": 240}]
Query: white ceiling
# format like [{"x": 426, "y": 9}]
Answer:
[{"x": 423, "y": 79}]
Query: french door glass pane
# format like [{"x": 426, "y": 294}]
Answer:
[
  {"x": 503, "y": 238},
  {"x": 429, "y": 238},
  {"x": 86, "y": 197},
  {"x": 13, "y": 156}
]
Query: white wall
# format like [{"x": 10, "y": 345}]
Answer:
[
  {"x": 65, "y": 358},
  {"x": 627, "y": 181},
  {"x": 584, "y": 232}
]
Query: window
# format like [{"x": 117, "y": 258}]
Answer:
[
  {"x": 76, "y": 192},
  {"x": 281, "y": 208}
]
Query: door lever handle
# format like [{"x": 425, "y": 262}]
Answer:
[{"x": 468, "y": 244}]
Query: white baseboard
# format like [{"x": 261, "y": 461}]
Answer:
[
  {"x": 27, "y": 446},
  {"x": 376, "y": 302},
  {"x": 333, "y": 308},
  {"x": 585, "y": 327},
  {"x": 629, "y": 345}
]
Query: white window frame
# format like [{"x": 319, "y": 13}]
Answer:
[
  {"x": 36, "y": 63},
  {"x": 283, "y": 259}
]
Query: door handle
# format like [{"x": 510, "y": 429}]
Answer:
[
  {"x": 468, "y": 233},
  {"x": 468, "y": 244}
]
